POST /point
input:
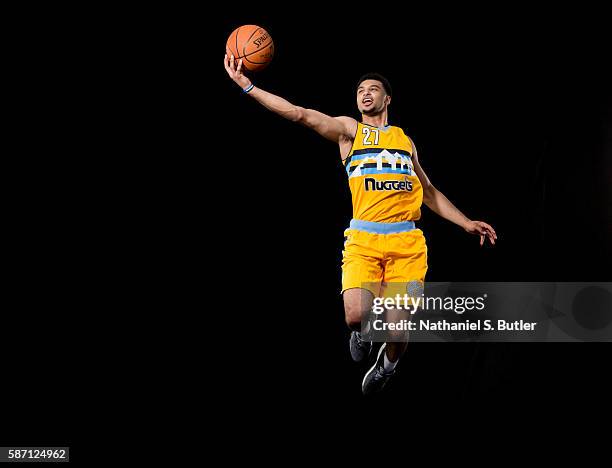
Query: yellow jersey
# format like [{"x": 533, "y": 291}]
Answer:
[{"x": 384, "y": 186}]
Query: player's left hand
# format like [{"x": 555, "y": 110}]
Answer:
[{"x": 483, "y": 230}]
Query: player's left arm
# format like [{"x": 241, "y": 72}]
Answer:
[{"x": 439, "y": 204}]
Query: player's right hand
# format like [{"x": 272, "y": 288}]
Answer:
[{"x": 234, "y": 70}]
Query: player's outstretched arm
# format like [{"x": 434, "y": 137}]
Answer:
[
  {"x": 439, "y": 204},
  {"x": 332, "y": 128}
]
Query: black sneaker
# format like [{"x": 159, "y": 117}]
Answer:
[
  {"x": 359, "y": 349},
  {"x": 376, "y": 378}
]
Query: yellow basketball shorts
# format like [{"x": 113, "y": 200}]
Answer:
[{"x": 383, "y": 257}]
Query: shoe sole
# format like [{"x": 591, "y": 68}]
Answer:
[{"x": 382, "y": 348}]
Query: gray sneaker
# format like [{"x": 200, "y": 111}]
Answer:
[
  {"x": 376, "y": 378},
  {"x": 359, "y": 349}
]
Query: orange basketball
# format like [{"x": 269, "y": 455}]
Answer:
[{"x": 253, "y": 45}]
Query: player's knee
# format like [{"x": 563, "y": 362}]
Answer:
[{"x": 352, "y": 316}]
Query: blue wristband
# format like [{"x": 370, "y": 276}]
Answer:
[{"x": 249, "y": 88}]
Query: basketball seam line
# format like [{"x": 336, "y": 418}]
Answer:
[
  {"x": 251, "y": 53},
  {"x": 257, "y": 63},
  {"x": 237, "y": 39},
  {"x": 247, "y": 41}
]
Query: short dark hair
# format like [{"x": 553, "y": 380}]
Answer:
[{"x": 378, "y": 77}]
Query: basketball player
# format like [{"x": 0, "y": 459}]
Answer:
[{"x": 388, "y": 185}]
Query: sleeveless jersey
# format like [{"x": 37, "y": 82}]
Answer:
[{"x": 384, "y": 186}]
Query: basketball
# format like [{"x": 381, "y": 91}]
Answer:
[{"x": 253, "y": 45}]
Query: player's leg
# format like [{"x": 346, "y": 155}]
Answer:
[
  {"x": 361, "y": 277},
  {"x": 404, "y": 270},
  {"x": 394, "y": 350},
  {"x": 398, "y": 337},
  {"x": 357, "y": 303},
  {"x": 389, "y": 353}
]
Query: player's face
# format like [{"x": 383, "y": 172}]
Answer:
[{"x": 371, "y": 97}]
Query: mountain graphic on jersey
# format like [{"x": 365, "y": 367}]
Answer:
[
  {"x": 384, "y": 186},
  {"x": 384, "y": 161}
]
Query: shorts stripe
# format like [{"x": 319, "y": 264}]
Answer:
[{"x": 381, "y": 228}]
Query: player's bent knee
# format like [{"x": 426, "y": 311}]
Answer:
[
  {"x": 352, "y": 323},
  {"x": 352, "y": 316}
]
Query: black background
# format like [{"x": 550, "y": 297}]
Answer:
[
  {"x": 511, "y": 116},
  {"x": 148, "y": 165}
]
